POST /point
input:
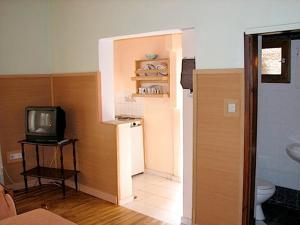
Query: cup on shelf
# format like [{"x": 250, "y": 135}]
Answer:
[{"x": 142, "y": 90}]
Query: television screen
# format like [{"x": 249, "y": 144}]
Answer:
[
  {"x": 41, "y": 122},
  {"x": 45, "y": 123}
]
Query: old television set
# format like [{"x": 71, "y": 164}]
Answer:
[{"x": 45, "y": 124}]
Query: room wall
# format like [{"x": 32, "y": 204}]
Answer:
[
  {"x": 218, "y": 147},
  {"x": 77, "y": 26},
  {"x": 78, "y": 95},
  {"x": 62, "y": 36},
  {"x": 17, "y": 92},
  {"x": 278, "y": 126},
  {"x": 25, "y": 39},
  {"x": 106, "y": 66},
  {"x": 188, "y": 51},
  {"x": 297, "y": 65},
  {"x": 160, "y": 118}
]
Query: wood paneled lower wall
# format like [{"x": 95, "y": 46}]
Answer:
[
  {"x": 17, "y": 92},
  {"x": 218, "y": 147},
  {"x": 78, "y": 95}
]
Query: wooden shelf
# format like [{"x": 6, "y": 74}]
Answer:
[
  {"x": 151, "y": 78},
  {"x": 151, "y": 95},
  {"x": 162, "y": 83},
  {"x": 60, "y": 174},
  {"x": 152, "y": 60},
  {"x": 151, "y": 71},
  {"x": 50, "y": 173},
  {"x": 54, "y": 143}
]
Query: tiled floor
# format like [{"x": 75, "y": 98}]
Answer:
[
  {"x": 279, "y": 215},
  {"x": 157, "y": 197}
]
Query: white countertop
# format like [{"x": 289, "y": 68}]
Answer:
[{"x": 119, "y": 122}]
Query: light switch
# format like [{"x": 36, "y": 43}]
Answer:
[{"x": 231, "y": 107}]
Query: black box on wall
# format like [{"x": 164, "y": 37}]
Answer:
[{"x": 188, "y": 65}]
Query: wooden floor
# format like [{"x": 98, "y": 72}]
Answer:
[{"x": 78, "y": 207}]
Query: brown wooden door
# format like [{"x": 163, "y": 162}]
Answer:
[{"x": 251, "y": 73}]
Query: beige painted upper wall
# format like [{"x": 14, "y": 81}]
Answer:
[
  {"x": 24, "y": 37},
  {"x": 28, "y": 46},
  {"x": 77, "y": 25}
]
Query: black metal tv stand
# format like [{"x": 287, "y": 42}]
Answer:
[{"x": 59, "y": 174}]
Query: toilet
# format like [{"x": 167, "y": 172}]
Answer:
[{"x": 264, "y": 191}]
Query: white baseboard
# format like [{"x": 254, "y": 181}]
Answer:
[
  {"x": 94, "y": 192},
  {"x": 126, "y": 200},
  {"x": 88, "y": 190},
  {"x": 163, "y": 174},
  {"x": 186, "y": 221}
]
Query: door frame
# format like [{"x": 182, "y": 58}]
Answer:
[
  {"x": 250, "y": 126},
  {"x": 250, "y": 121}
]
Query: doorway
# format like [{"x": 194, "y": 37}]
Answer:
[
  {"x": 162, "y": 115},
  {"x": 153, "y": 95},
  {"x": 253, "y": 115}
]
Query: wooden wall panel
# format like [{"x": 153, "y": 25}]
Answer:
[
  {"x": 17, "y": 92},
  {"x": 78, "y": 95},
  {"x": 218, "y": 147}
]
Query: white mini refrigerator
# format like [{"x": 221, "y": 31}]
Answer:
[{"x": 137, "y": 148}]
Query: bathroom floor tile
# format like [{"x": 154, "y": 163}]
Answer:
[{"x": 279, "y": 215}]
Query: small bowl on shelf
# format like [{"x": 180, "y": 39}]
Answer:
[{"x": 151, "y": 56}]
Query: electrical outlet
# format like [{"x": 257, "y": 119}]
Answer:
[{"x": 14, "y": 156}]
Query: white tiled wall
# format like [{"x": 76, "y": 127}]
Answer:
[
  {"x": 278, "y": 124},
  {"x": 126, "y": 105}
]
